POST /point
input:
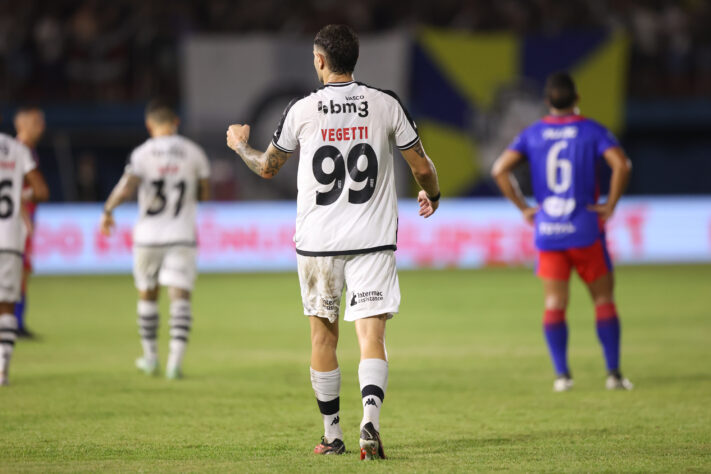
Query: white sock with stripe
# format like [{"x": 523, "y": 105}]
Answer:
[
  {"x": 180, "y": 324},
  {"x": 148, "y": 328},
  {"x": 327, "y": 388},
  {"x": 373, "y": 377},
  {"x": 8, "y": 335}
]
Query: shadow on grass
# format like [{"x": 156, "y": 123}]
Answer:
[
  {"x": 673, "y": 379},
  {"x": 462, "y": 444}
]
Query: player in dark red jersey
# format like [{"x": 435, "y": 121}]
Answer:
[
  {"x": 565, "y": 152},
  {"x": 30, "y": 126}
]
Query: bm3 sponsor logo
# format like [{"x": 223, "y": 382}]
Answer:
[{"x": 360, "y": 108}]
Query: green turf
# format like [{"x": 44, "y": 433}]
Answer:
[{"x": 470, "y": 380}]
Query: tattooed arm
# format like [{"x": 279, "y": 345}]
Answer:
[
  {"x": 266, "y": 164},
  {"x": 426, "y": 176}
]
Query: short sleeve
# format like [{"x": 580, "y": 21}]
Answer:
[
  {"x": 26, "y": 160},
  {"x": 203, "y": 165},
  {"x": 404, "y": 129},
  {"x": 285, "y": 137},
  {"x": 519, "y": 144},
  {"x": 605, "y": 141},
  {"x": 133, "y": 166}
]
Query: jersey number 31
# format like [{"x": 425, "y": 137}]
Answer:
[{"x": 161, "y": 201}]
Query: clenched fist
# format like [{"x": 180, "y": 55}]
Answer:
[{"x": 237, "y": 134}]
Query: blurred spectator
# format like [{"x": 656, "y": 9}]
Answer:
[
  {"x": 128, "y": 50},
  {"x": 87, "y": 184}
]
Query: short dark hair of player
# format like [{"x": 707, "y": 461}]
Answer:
[
  {"x": 340, "y": 45},
  {"x": 161, "y": 111},
  {"x": 560, "y": 90},
  {"x": 23, "y": 109}
]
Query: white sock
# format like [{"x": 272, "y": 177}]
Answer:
[
  {"x": 327, "y": 388},
  {"x": 8, "y": 334},
  {"x": 148, "y": 328},
  {"x": 373, "y": 377},
  {"x": 180, "y": 324}
]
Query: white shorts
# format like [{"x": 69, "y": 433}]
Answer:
[
  {"x": 371, "y": 282},
  {"x": 172, "y": 266},
  {"x": 10, "y": 277}
]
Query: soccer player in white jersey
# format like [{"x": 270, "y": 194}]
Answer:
[
  {"x": 346, "y": 225},
  {"x": 171, "y": 175},
  {"x": 16, "y": 166}
]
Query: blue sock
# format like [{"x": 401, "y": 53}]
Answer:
[
  {"x": 608, "y": 332},
  {"x": 555, "y": 330},
  {"x": 20, "y": 312}
]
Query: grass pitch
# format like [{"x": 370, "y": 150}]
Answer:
[{"x": 470, "y": 380}]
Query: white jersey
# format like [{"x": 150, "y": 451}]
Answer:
[
  {"x": 170, "y": 168},
  {"x": 347, "y": 202},
  {"x": 15, "y": 162}
]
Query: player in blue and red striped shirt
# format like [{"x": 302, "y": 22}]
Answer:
[{"x": 565, "y": 151}]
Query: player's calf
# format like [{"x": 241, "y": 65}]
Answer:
[
  {"x": 180, "y": 325},
  {"x": 327, "y": 388},
  {"x": 555, "y": 330},
  {"x": 373, "y": 376},
  {"x": 8, "y": 335},
  {"x": 608, "y": 332},
  {"x": 148, "y": 330}
]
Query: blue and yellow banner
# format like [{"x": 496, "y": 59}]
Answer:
[{"x": 458, "y": 79}]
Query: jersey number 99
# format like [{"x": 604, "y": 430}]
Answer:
[{"x": 338, "y": 174}]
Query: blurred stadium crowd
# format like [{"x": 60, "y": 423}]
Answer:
[{"x": 127, "y": 50}]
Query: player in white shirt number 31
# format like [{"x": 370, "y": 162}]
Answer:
[{"x": 171, "y": 174}]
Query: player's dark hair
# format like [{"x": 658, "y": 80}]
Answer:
[
  {"x": 340, "y": 46},
  {"x": 161, "y": 111},
  {"x": 560, "y": 90},
  {"x": 27, "y": 108}
]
